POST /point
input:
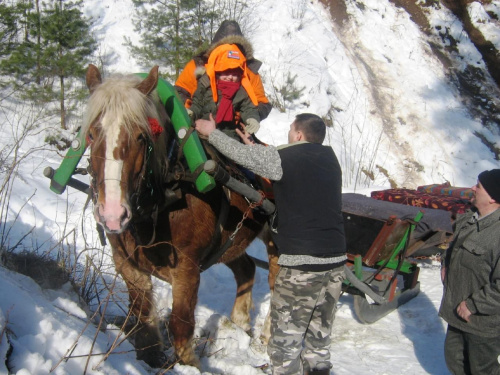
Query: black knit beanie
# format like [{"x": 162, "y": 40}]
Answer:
[
  {"x": 226, "y": 28},
  {"x": 491, "y": 183}
]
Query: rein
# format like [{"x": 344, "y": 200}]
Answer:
[
  {"x": 144, "y": 182},
  {"x": 146, "y": 175}
]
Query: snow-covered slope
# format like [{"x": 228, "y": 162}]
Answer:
[{"x": 394, "y": 113}]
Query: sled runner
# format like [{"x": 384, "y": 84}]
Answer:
[{"x": 379, "y": 276}]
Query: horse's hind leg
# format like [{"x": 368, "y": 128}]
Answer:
[
  {"x": 243, "y": 268},
  {"x": 272, "y": 254}
]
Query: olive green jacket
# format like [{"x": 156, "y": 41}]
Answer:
[{"x": 473, "y": 275}]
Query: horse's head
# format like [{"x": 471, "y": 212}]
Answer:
[{"x": 122, "y": 121}]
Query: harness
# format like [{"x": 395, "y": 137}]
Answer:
[{"x": 149, "y": 198}]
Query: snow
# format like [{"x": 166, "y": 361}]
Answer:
[
  {"x": 484, "y": 22},
  {"x": 415, "y": 127},
  {"x": 48, "y": 325}
]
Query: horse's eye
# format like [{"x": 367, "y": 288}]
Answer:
[
  {"x": 142, "y": 138},
  {"x": 90, "y": 137}
]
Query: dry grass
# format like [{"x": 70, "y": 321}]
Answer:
[{"x": 44, "y": 270}]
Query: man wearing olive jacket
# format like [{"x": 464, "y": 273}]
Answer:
[
  {"x": 307, "y": 185},
  {"x": 471, "y": 276}
]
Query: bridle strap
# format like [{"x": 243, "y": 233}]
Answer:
[
  {"x": 154, "y": 216},
  {"x": 183, "y": 142}
]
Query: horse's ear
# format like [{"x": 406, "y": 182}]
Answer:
[
  {"x": 93, "y": 78},
  {"x": 150, "y": 82}
]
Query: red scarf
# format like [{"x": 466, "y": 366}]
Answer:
[{"x": 225, "y": 112}]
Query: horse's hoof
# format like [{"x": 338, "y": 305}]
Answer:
[
  {"x": 264, "y": 339},
  {"x": 241, "y": 321},
  {"x": 154, "y": 358},
  {"x": 247, "y": 328},
  {"x": 189, "y": 358}
]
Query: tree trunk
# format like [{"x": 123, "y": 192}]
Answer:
[
  {"x": 177, "y": 33},
  {"x": 63, "y": 109},
  {"x": 38, "y": 43}
]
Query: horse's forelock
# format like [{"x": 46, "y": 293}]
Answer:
[{"x": 117, "y": 97}]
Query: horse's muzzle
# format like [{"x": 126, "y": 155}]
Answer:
[{"x": 113, "y": 217}]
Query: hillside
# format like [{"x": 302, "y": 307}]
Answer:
[
  {"x": 405, "y": 88},
  {"x": 460, "y": 37},
  {"x": 410, "y": 96}
]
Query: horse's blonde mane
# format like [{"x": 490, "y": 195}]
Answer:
[{"x": 118, "y": 97}]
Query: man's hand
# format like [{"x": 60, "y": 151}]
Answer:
[
  {"x": 205, "y": 127},
  {"x": 463, "y": 311},
  {"x": 245, "y": 137}
]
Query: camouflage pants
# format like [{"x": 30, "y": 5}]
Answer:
[{"x": 303, "y": 308}]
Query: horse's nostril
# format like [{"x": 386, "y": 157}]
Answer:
[{"x": 127, "y": 214}]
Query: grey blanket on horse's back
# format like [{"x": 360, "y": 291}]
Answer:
[{"x": 433, "y": 220}]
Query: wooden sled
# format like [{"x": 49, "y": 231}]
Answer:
[
  {"x": 380, "y": 236},
  {"x": 379, "y": 276}
]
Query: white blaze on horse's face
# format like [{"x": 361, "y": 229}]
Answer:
[{"x": 113, "y": 211}]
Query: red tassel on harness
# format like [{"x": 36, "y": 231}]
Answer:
[{"x": 156, "y": 128}]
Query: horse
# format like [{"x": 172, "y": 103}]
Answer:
[{"x": 151, "y": 234}]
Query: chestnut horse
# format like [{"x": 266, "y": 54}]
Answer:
[{"x": 150, "y": 237}]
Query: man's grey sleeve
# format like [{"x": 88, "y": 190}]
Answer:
[{"x": 263, "y": 160}]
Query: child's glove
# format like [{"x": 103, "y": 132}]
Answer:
[{"x": 252, "y": 126}]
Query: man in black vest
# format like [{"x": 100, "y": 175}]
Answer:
[{"x": 309, "y": 235}]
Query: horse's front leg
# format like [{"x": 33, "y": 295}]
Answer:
[
  {"x": 148, "y": 341},
  {"x": 185, "y": 285},
  {"x": 243, "y": 269}
]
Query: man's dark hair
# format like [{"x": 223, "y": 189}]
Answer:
[{"x": 312, "y": 126}]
